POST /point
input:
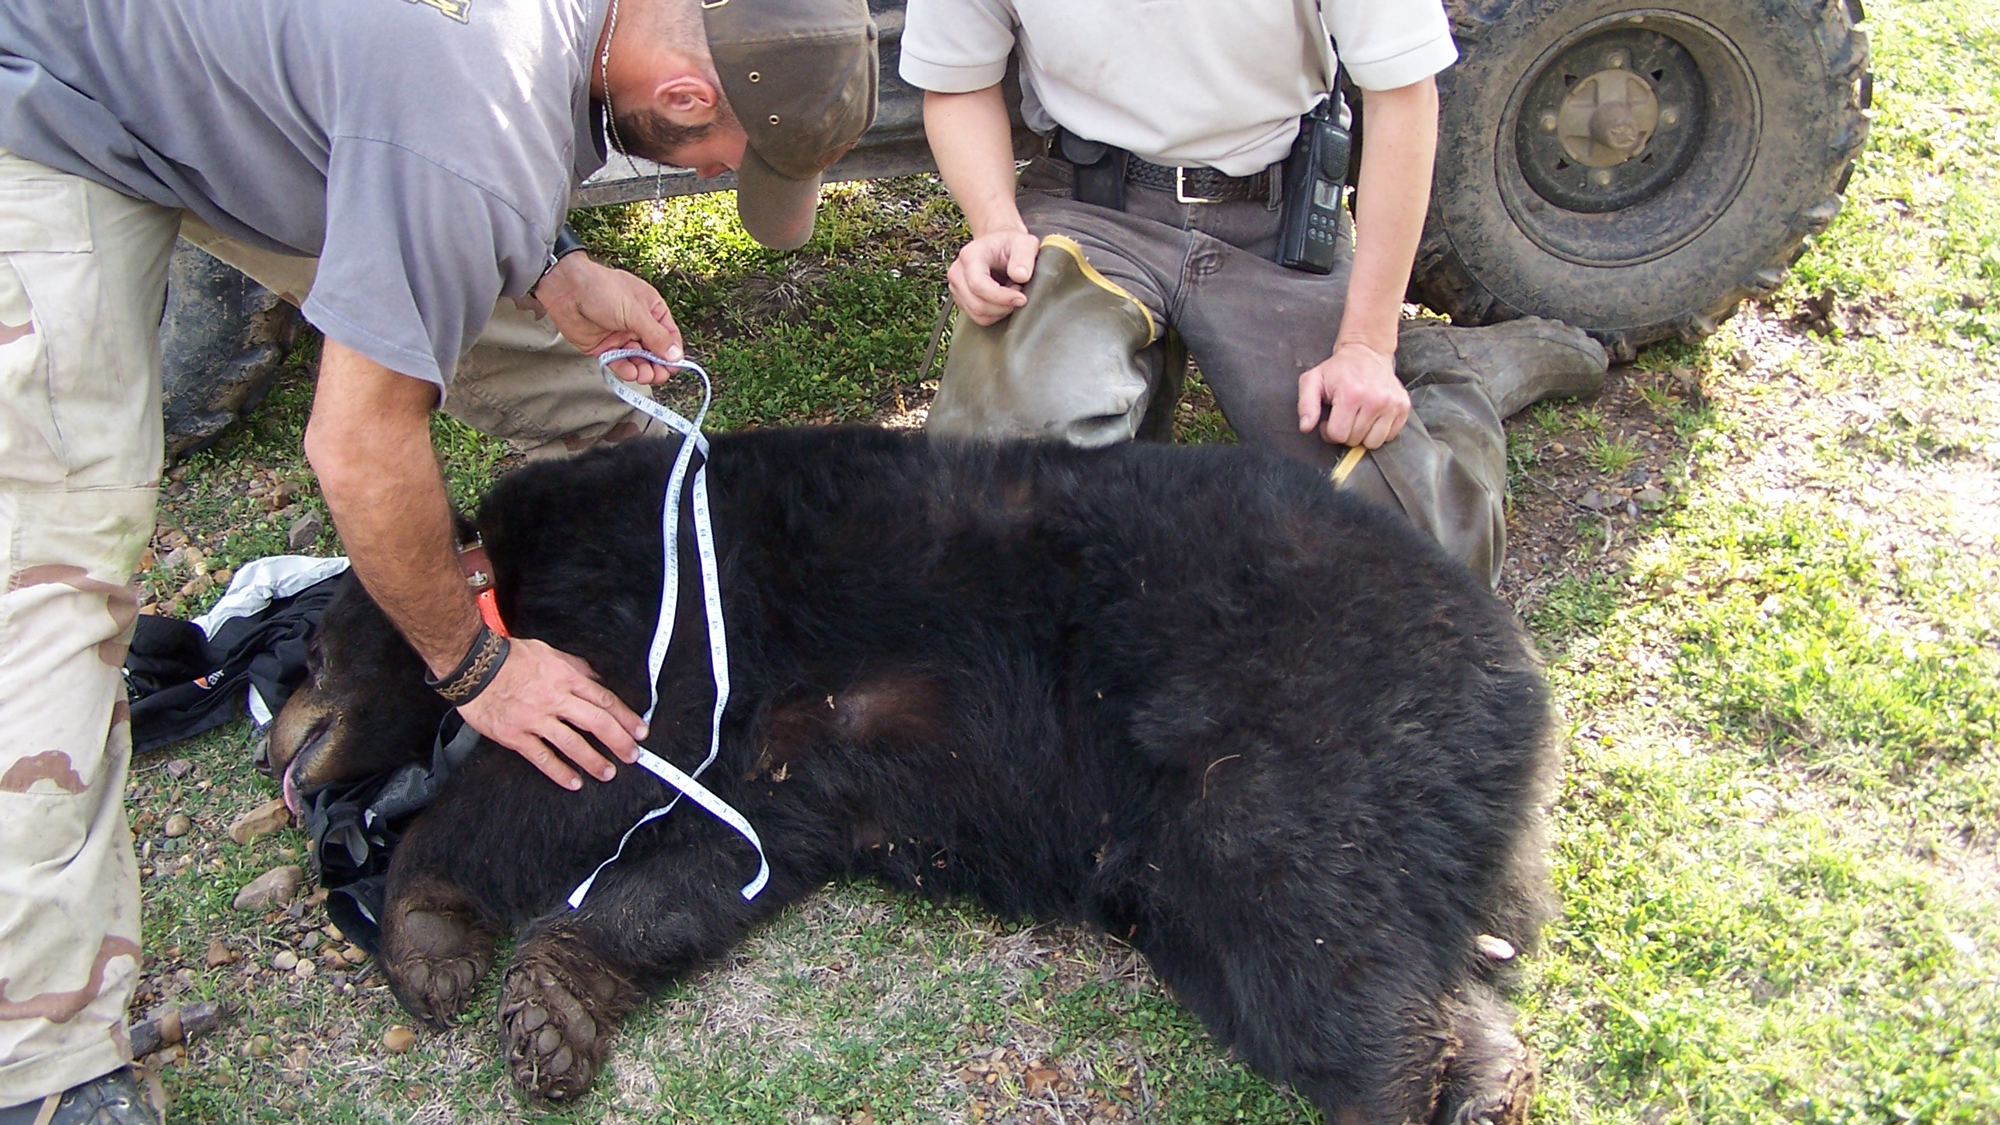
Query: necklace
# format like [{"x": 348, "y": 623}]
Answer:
[
  {"x": 604, "y": 75},
  {"x": 611, "y": 116}
]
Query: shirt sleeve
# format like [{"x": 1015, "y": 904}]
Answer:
[
  {"x": 414, "y": 259},
  {"x": 956, "y": 46},
  {"x": 1390, "y": 43}
]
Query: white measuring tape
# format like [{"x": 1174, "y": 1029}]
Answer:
[{"x": 663, "y": 633}]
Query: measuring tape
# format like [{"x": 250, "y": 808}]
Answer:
[{"x": 663, "y": 634}]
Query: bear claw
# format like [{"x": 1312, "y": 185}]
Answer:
[
  {"x": 554, "y": 1049},
  {"x": 434, "y": 960}
]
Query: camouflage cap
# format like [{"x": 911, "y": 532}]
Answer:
[{"x": 801, "y": 77}]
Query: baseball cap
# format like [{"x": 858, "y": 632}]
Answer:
[{"x": 801, "y": 77}]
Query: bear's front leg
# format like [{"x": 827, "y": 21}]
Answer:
[
  {"x": 502, "y": 845},
  {"x": 647, "y": 920},
  {"x": 436, "y": 948}
]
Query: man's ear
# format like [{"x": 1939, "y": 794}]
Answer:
[{"x": 687, "y": 99}]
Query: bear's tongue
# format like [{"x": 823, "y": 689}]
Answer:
[{"x": 291, "y": 789}]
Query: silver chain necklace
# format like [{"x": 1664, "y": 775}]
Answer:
[
  {"x": 611, "y": 117},
  {"x": 604, "y": 75}
]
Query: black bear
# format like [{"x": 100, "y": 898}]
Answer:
[{"x": 1265, "y": 733}]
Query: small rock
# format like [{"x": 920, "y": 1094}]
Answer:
[
  {"x": 275, "y": 887},
  {"x": 1494, "y": 948},
  {"x": 354, "y": 955},
  {"x": 223, "y": 576},
  {"x": 305, "y": 531},
  {"x": 177, "y": 826},
  {"x": 311, "y": 941},
  {"x": 174, "y": 558},
  {"x": 261, "y": 821},
  {"x": 1650, "y": 497},
  {"x": 198, "y": 585},
  {"x": 286, "y": 492},
  {"x": 219, "y": 954},
  {"x": 260, "y": 1047},
  {"x": 285, "y": 961},
  {"x": 1598, "y": 502},
  {"x": 179, "y": 768},
  {"x": 332, "y": 932},
  {"x": 399, "y": 1039},
  {"x": 305, "y": 969}
]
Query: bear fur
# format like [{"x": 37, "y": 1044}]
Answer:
[{"x": 1265, "y": 733}]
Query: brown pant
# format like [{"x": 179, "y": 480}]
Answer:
[
  {"x": 83, "y": 274},
  {"x": 1203, "y": 274}
]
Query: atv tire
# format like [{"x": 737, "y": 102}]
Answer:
[
  {"x": 223, "y": 341},
  {"x": 1637, "y": 169}
]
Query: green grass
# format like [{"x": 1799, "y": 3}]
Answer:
[
  {"x": 1610, "y": 455},
  {"x": 1774, "y": 841}
]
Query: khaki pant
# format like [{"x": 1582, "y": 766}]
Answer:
[
  {"x": 82, "y": 283},
  {"x": 521, "y": 381},
  {"x": 1200, "y": 276}
]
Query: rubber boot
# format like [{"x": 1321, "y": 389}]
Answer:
[
  {"x": 1083, "y": 361},
  {"x": 1519, "y": 363},
  {"x": 122, "y": 1097}
]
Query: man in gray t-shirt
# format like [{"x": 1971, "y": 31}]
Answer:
[{"x": 423, "y": 152}]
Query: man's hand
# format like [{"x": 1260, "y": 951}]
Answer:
[
  {"x": 544, "y": 701},
  {"x": 1357, "y": 391},
  {"x": 600, "y": 309},
  {"x": 972, "y": 142},
  {"x": 987, "y": 276}
]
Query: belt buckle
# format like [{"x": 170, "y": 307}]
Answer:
[{"x": 1180, "y": 188}]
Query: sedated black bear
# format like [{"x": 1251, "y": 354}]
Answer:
[{"x": 1268, "y": 735}]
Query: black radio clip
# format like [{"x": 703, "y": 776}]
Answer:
[{"x": 1315, "y": 183}]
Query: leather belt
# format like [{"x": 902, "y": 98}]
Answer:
[{"x": 1198, "y": 184}]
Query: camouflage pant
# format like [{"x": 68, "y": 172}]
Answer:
[{"x": 82, "y": 284}]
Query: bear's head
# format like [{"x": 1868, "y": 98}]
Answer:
[{"x": 363, "y": 710}]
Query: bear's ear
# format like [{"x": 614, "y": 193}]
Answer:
[{"x": 464, "y": 531}]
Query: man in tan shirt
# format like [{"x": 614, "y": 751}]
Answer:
[{"x": 1074, "y": 314}]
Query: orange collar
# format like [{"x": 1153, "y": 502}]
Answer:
[{"x": 479, "y": 575}]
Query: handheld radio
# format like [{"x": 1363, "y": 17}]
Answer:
[{"x": 1315, "y": 180}]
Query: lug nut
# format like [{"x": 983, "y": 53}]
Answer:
[
  {"x": 1616, "y": 60},
  {"x": 1601, "y": 177}
]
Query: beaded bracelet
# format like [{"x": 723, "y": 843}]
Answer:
[{"x": 482, "y": 662}]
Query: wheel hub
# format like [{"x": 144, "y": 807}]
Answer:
[
  {"x": 1608, "y": 117},
  {"x": 1610, "y": 121}
]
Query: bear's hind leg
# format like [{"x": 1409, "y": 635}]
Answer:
[{"x": 1491, "y": 1076}]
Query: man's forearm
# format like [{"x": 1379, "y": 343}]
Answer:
[
  {"x": 973, "y": 143},
  {"x": 1396, "y": 157},
  {"x": 369, "y": 442}
]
